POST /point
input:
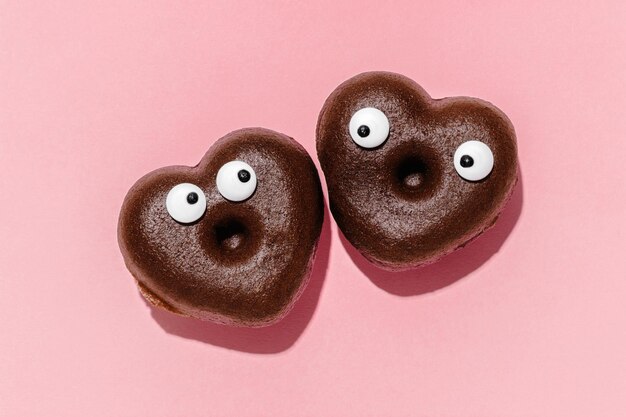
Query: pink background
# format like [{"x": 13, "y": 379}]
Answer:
[{"x": 529, "y": 320}]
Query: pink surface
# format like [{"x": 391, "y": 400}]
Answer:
[{"x": 529, "y": 320}]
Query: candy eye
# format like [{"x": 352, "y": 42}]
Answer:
[
  {"x": 473, "y": 160},
  {"x": 236, "y": 181},
  {"x": 186, "y": 203},
  {"x": 369, "y": 127}
]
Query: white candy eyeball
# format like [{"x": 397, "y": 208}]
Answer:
[
  {"x": 236, "y": 181},
  {"x": 473, "y": 160},
  {"x": 369, "y": 127},
  {"x": 186, "y": 203}
]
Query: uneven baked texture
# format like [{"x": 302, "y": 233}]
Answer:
[
  {"x": 242, "y": 263},
  {"x": 403, "y": 204}
]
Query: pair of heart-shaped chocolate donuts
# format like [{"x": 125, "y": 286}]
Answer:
[{"x": 409, "y": 179}]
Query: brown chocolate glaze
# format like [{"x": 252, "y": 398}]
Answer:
[
  {"x": 242, "y": 263},
  {"x": 403, "y": 204}
]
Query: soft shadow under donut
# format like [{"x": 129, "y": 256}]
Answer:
[
  {"x": 266, "y": 340},
  {"x": 450, "y": 268}
]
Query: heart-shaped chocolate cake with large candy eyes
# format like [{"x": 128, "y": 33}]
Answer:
[
  {"x": 232, "y": 239},
  {"x": 411, "y": 178}
]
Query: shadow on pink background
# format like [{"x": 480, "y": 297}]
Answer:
[
  {"x": 527, "y": 320},
  {"x": 452, "y": 267},
  {"x": 283, "y": 335},
  {"x": 271, "y": 339}
]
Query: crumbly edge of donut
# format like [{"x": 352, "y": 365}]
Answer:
[{"x": 153, "y": 299}]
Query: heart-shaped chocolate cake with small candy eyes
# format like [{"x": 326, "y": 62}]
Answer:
[
  {"x": 232, "y": 239},
  {"x": 411, "y": 178}
]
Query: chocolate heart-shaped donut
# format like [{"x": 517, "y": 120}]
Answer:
[
  {"x": 411, "y": 178},
  {"x": 232, "y": 239}
]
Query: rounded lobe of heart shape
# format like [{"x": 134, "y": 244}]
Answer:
[
  {"x": 403, "y": 204},
  {"x": 241, "y": 263}
]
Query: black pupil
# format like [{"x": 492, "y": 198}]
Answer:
[
  {"x": 243, "y": 175},
  {"x": 467, "y": 161},
  {"x": 192, "y": 198},
  {"x": 363, "y": 131}
]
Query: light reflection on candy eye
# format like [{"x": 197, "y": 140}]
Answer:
[
  {"x": 236, "y": 181},
  {"x": 369, "y": 127},
  {"x": 186, "y": 203},
  {"x": 473, "y": 160}
]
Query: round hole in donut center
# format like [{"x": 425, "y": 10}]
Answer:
[
  {"x": 416, "y": 175},
  {"x": 230, "y": 235},
  {"x": 412, "y": 173}
]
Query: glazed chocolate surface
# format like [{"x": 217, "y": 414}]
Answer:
[
  {"x": 241, "y": 263},
  {"x": 402, "y": 204}
]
